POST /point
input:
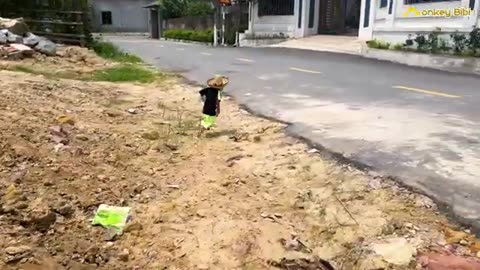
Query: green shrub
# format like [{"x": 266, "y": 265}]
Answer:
[
  {"x": 398, "y": 47},
  {"x": 459, "y": 42},
  {"x": 108, "y": 50},
  {"x": 200, "y": 36},
  {"x": 199, "y": 8},
  {"x": 422, "y": 43},
  {"x": 474, "y": 40},
  {"x": 124, "y": 73},
  {"x": 377, "y": 44}
]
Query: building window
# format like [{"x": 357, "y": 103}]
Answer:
[
  {"x": 412, "y": 2},
  {"x": 300, "y": 6},
  {"x": 384, "y": 3},
  {"x": 106, "y": 17},
  {"x": 276, "y": 7},
  {"x": 311, "y": 14}
]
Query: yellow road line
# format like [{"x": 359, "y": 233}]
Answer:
[
  {"x": 305, "y": 70},
  {"x": 244, "y": 60},
  {"x": 204, "y": 53},
  {"x": 429, "y": 92}
]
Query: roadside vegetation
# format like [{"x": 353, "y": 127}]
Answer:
[
  {"x": 192, "y": 35},
  {"x": 109, "y": 51},
  {"x": 436, "y": 42}
]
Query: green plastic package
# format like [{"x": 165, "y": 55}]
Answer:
[{"x": 111, "y": 217}]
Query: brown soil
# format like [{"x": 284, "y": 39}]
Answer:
[{"x": 242, "y": 196}]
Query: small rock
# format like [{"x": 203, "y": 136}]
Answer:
[
  {"x": 201, "y": 214},
  {"x": 60, "y": 140},
  {"x": 409, "y": 225},
  {"x": 123, "y": 256},
  {"x": 132, "y": 111},
  {"x": 82, "y": 137},
  {"x": 478, "y": 254},
  {"x": 463, "y": 242},
  {"x": 312, "y": 151},
  {"x": 203, "y": 267},
  {"x": 64, "y": 209},
  {"x": 113, "y": 113},
  {"x": 17, "y": 253},
  {"x": 111, "y": 235},
  {"x": 48, "y": 183}
]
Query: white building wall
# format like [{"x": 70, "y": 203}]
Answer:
[
  {"x": 287, "y": 25},
  {"x": 396, "y": 27},
  {"x": 127, "y": 15},
  {"x": 266, "y": 25}
]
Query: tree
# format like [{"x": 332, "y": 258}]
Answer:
[
  {"x": 199, "y": 8},
  {"x": 173, "y": 8}
]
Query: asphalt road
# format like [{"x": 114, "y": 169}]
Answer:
[{"x": 416, "y": 124}]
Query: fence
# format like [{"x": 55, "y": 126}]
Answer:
[
  {"x": 65, "y": 21},
  {"x": 199, "y": 23}
]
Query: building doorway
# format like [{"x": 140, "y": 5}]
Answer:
[
  {"x": 339, "y": 17},
  {"x": 154, "y": 22}
]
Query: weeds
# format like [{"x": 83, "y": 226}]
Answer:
[
  {"x": 109, "y": 51},
  {"x": 125, "y": 73},
  {"x": 377, "y": 44}
]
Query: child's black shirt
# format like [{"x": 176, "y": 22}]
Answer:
[{"x": 211, "y": 100}]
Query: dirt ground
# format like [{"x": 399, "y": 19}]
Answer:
[{"x": 243, "y": 196}]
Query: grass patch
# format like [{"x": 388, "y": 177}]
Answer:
[
  {"x": 125, "y": 73},
  {"x": 109, "y": 51}
]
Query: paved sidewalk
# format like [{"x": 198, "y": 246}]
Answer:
[{"x": 325, "y": 43}]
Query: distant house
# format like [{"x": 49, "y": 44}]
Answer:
[
  {"x": 301, "y": 18},
  {"x": 120, "y": 15},
  {"x": 394, "y": 20}
]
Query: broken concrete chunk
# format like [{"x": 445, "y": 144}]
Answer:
[
  {"x": 46, "y": 47},
  {"x": 3, "y": 38},
  {"x": 13, "y": 38},
  {"x": 32, "y": 40},
  {"x": 25, "y": 50},
  {"x": 16, "y": 26}
]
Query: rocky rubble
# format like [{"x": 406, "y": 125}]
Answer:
[{"x": 17, "y": 42}]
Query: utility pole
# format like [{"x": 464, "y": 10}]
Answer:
[{"x": 223, "y": 25}]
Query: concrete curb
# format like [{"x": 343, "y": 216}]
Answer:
[
  {"x": 187, "y": 41},
  {"x": 467, "y": 65}
]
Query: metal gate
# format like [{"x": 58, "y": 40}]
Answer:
[
  {"x": 65, "y": 21},
  {"x": 331, "y": 19}
]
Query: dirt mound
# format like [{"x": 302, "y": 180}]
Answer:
[
  {"x": 245, "y": 196},
  {"x": 70, "y": 59}
]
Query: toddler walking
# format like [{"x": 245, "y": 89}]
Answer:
[{"x": 211, "y": 96}]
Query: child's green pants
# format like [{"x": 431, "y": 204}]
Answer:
[{"x": 208, "y": 121}]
